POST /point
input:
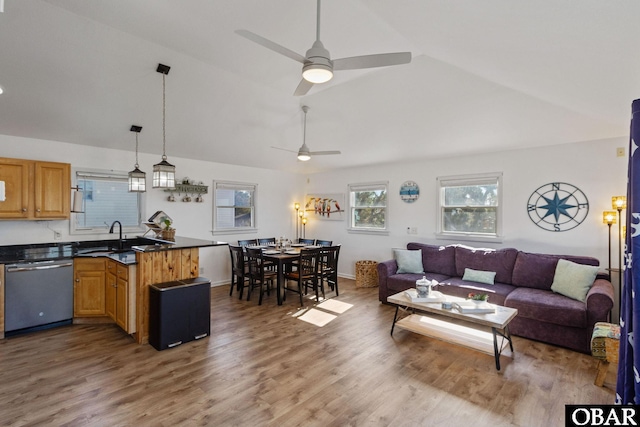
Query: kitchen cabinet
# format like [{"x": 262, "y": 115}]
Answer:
[
  {"x": 89, "y": 297},
  {"x": 1, "y": 301},
  {"x": 117, "y": 294},
  {"x": 110, "y": 289},
  {"x": 35, "y": 190}
]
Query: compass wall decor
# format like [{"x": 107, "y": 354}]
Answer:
[{"x": 557, "y": 206}]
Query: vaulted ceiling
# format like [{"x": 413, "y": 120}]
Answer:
[{"x": 487, "y": 75}]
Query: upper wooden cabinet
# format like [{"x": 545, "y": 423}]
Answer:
[{"x": 35, "y": 189}]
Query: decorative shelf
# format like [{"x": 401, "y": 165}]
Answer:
[{"x": 188, "y": 189}]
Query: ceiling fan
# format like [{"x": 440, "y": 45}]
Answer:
[
  {"x": 303, "y": 153},
  {"x": 317, "y": 65}
]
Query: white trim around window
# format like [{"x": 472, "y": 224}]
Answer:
[
  {"x": 480, "y": 216},
  {"x": 234, "y": 207},
  {"x": 377, "y": 206}
]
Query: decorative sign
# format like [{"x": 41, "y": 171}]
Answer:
[
  {"x": 409, "y": 192},
  {"x": 557, "y": 206}
]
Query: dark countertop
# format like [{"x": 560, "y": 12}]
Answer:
[{"x": 97, "y": 248}]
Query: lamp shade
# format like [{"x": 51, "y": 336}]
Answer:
[
  {"x": 296, "y": 206},
  {"x": 137, "y": 181},
  {"x": 164, "y": 174},
  {"x": 317, "y": 73},
  {"x": 619, "y": 202},
  {"x": 609, "y": 217}
]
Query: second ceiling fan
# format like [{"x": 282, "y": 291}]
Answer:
[
  {"x": 317, "y": 65},
  {"x": 303, "y": 153}
]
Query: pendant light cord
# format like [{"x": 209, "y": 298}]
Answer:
[
  {"x": 164, "y": 155},
  {"x": 137, "y": 151}
]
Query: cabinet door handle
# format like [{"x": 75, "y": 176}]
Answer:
[
  {"x": 37, "y": 210},
  {"x": 77, "y": 280},
  {"x": 24, "y": 209}
]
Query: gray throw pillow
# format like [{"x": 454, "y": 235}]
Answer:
[
  {"x": 480, "y": 276},
  {"x": 409, "y": 261},
  {"x": 573, "y": 280}
]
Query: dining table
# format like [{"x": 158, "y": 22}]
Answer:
[{"x": 282, "y": 258}]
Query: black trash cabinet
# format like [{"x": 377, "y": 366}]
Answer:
[{"x": 179, "y": 312}]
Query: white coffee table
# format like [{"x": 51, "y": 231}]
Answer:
[{"x": 465, "y": 329}]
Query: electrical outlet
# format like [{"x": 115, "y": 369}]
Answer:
[
  {"x": 57, "y": 235},
  {"x": 414, "y": 230},
  {"x": 201, "y": 270},
  {"x": 620, "y": 151}
]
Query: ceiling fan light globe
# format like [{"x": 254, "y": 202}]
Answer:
[
  {"x": 317, "y": 73},
  {"x": 303, "y": 157}
]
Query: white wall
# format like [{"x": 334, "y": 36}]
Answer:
[
  {"x": 276, "y": 193},
  {"x": 591, "y": 166}
]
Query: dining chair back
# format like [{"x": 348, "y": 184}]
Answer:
[
  {"x": 267, "y": 241},
  {"x": 329, "y": 266},
  {"x": 248, "y": 242},
  {"x": 324, "y": 242},
  {"x": 307, "y": 241},
  {"x": 306, "y": 274},
  {"x": 238, "y": 269},
  {"x": 259, "y": 276}
]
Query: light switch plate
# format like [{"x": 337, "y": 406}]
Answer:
[{"x": 2, "y": 194}]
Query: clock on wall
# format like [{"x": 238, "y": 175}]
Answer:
[
  {"x": 409, "y": 192},
  {"x": 557, "y": 206}
]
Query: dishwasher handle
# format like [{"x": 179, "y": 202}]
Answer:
[{"x": 32, "y": 267}]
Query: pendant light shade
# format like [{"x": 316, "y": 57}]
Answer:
[
  {"x": 164, "y": 173},
  {"x": 137, "y": 178}
]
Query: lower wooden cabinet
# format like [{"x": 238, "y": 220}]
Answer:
[
  {"x": 89, "y": 299},
  {"x": 105, "y": 288}
]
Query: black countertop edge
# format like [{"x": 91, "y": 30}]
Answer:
[{"x": 120, "y": 251}]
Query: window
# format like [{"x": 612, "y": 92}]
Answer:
[
  {"x": 233, "y": 207},
  {"x": 106, "y": 198},
  {"x": 368, "y": 207},
  {"x": 470, "y": 207}
]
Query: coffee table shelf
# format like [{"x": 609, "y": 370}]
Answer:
[{"x": 464, "y": 329}]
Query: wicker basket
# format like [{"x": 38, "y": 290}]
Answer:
[
  {"x": 366, "y": 274},
  {"x": 168, "y": 234}
]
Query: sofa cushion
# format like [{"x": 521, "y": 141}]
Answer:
[
  {"x": 401, "y": 282},
  {"x": 409, "y": 261},
  {"x": 548, "y": 307},
  {"x": 499, "y": 260},
  {"x": 487, "y": 277},
  {"x": 437, "y": 259},
  {"x": 573, "y": 280},
  {"x": 537, "y": 270}
]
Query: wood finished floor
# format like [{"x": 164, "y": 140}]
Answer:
[{"x": 263, "y": 367}]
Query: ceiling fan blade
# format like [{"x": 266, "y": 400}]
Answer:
[
  {"x": 284, "y": 149},
  {"x": 303, "y": 88},
  {"x": 271, "y": 45},
  {"x": 371, "y": 61},
  {"x": 322, "y": 153}
]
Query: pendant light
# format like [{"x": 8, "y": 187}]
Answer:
[
  {"x": 137, "y": 178},
  {"x": 164, "y": 173},
  {"x": 303, "y": 152}
]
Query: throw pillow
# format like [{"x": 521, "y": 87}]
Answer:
[
  {"x": 573, "y": 280},
  {"x": 409, "y": 261},
  {"x": 479, "y": 276}
]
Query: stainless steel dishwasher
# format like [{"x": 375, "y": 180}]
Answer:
[{"x": 38, "y": 295}]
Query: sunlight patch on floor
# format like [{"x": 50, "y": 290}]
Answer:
[
  {"x": 317, "y": 317},
  {"x": 335, "y": 306}
]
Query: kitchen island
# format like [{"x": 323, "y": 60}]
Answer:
[{"x": 122, "y": 269}]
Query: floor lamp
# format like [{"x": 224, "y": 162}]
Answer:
[
  {"x": 296, "y": 206},
  {"x": 609, "y": 218},
  {"x": 619, "y": 203},
  {"x": 304, "y": 227}
]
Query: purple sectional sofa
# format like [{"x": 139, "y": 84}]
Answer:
[{"x": 522, "y": 281}]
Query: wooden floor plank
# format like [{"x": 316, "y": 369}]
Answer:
[{"x": 262, "y": 366}]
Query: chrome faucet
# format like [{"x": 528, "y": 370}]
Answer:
[{"x": 120, "y": 235}]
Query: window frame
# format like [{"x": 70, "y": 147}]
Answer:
[
  {"x": 471, "y": 179},
  {"x": 371, "y": 186},
  {"x": 106, "y": 175},
  {"x": 235, "y": 185}
]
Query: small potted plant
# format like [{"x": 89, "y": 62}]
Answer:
[
  {"x": 168, "y": 233},
  {"x": 478, "y": 298}
]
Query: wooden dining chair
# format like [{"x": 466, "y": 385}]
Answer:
[
  {"x": 306, "y": 273},
  {"x": 239, "y": 271},
  {"x": 324, "y": 242},
  {"x": 310, "y": 242},
  {"x": 248, "y": 242},
  {"x": 259, "y": 275},
  {"x": 267, "y": 241},
  {"x": 329, "y": 267}
]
